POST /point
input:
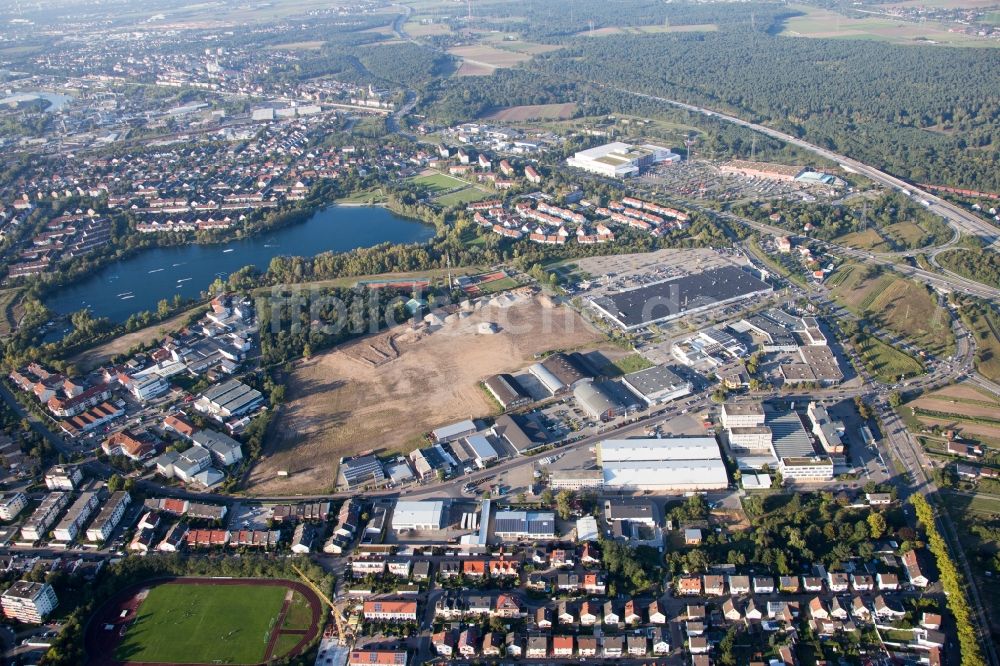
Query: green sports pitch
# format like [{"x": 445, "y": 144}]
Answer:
[{"x": 185, "y": 623}]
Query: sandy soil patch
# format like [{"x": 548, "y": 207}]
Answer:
[
  {"x": 383, "y": 392},
  {"x": 961, "y": 392},
  {"x": 959, "y": 408}
]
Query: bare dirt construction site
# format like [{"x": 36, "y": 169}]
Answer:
[{"x": 383, "y": 392}]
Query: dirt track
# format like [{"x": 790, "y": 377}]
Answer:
[{"x": 341, "y": 403}]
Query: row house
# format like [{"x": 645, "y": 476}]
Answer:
[{"x": 390, "y": 610}]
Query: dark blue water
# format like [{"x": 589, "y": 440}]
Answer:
[{"x": 140, "y": 282}]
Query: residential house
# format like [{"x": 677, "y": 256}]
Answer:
[
  {"x": 887, "y": 581},
  {"x": 689, "y": 586},
  {"x": 538, "y": 647},
  {"x": 390, "y": 610},
  {"x": 514, "y": 645},
  {"x": 631, "y": 615},
  {"x": 812, "y": 584},
  {"x": 595, "y": 583},
  {"x": 562, "y": 646},
  {"x": 763, "y": 585},
  {"x": 479, "y": 604},
  {"x": 887, "y": 611},
  {"x": 468, "y": 642},
  {"x": 739, "y": 584},
  {"x": 564, "y": 614},
  {"x": 698, "y": 645},
  {"x": 913, "y": 571},
  {"x": 614, "y": 647},
  {"x": 837, "y": 609},
  {"x": 588, "y": 614},
  {"x": 586, "y": 646},
  {"x": 638, "y": 646},
  {"x": 611, "y": 614},
  {"x": 862, "y": 582},
  {"x": 656, "y": 616},
  {"x": 731, "y": 611},
  {"x": 493, "y": 644},
  {"x": 661, "y": 641},
  {"x": 543, "y": 618},
  {"x": 444, "y": 642},
  {"x": 838, "y": 582},
  {"x": 753, "y": 612},
  {"x": 789, "y": 584},
  {"x": 817, "y": 610},
  {"x": 507, "y": 606},
  {"x": 714, "y": 585},
  {"x": 930, "y": 621},
  {"x": 859, "y": 610}
]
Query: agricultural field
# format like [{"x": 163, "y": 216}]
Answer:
[
  {"x": 534, "y": 112},
  {"x": 901, "y": 306},
  {"x": 815, "y": 22},
  {"x": 418, "y": 29},
  {"x": 298, "y": 46},
  {"x": 183, "y": 623},
  {"x": 972, "y": 412},
  {"x": 383, "y": 392},
  {"x": 473, "y": 69},
  {"x": 648, "y": 30},
  {"x": 489, "y": 56}
]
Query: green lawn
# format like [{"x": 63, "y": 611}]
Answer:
[
  {"x": 182, "y": 623},
  {"x": 437, "y": 182},
  {"x": 461, "y": 197},
  {"x": 299, "y": 614},
  {"x": 503, "y": 284},
  {"x": 364, "y": 197},
  {"x": 887, "y": 363},
  {"x": 632, "y": 363}
]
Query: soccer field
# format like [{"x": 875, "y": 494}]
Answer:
[{"x": 192, "y": 624}]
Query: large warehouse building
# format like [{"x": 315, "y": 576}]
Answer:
[
  {"x": 417, "y": 515},
  {"x": 676, "y": 297},
  {"x": 657, "y": 384},
  {"x": 620, "y": 160},
  {"x": 678, "y": 464}
]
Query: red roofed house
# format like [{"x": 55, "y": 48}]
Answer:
[{"x": 390, "y": 610}]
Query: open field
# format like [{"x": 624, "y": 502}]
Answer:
[
  {"x": 473, "y": 69},
  {"x": 887, "y": 363},
  {"x": 488, "y": 55},
  {"x": 534, "y": 112},
  {"x": 973, "y": 413},
  {"x": 437, "y": 183},
  {"x": 385, "y": 391},
  {"x": 298, "y": 46},
  {"x": 418, "y": 29},
  {"x": 461, "y": 197},
  {"x": 203, "y": 623},
  {"x": 985, "y": 330},
  {"x": 869, "y": 239},
  {"x": 96, "y": 356},
  {"x": 899, "y": 305},
  {"x": 648, "y": 29},
  {"x": 11, "y": 311},
  {"x": 822, "y": 23},
  {"x": 363, "y": 197}
]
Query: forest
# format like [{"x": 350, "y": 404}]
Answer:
[
  {"x": 981, "y": 264},
  {"x": 929, "y": 115}
]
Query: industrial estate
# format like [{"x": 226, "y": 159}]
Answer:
[{"x": 387, "y": 334}]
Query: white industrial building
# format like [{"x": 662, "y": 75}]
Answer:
[
  {"x": 667, "y": 465},
  {"x": 620, "y": 160},
  {"x": 454, "y": 431},
  {"x": 807, "y": 469},
  {"x": 418, "y": 515},
  {"x": 482, "y": 450},
  {"x": 750, "y": 439},
  {"x": 525, "y": 524}
]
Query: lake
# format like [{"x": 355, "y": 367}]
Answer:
[
  {"x": 140, "y": 282},
  {"x": 56, "y": 101}
]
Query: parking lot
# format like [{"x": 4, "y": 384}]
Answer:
[{"x": 702, "y": 179}]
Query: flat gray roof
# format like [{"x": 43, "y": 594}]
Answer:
[{"x": 674, "y": 297}]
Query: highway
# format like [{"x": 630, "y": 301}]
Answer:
[{"x": 959, "y": 218}]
